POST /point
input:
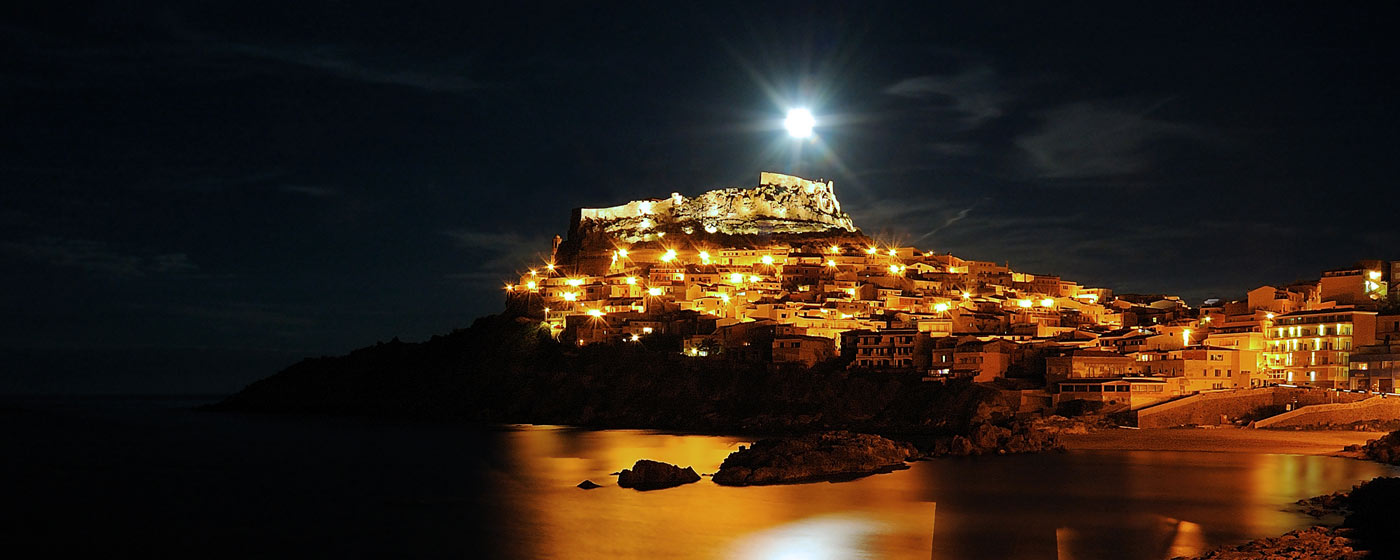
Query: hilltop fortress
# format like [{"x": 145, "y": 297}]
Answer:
[
  {"x": 779, "y": 273},
  {"x": 780, "y": 204}
]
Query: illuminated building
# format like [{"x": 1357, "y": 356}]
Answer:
[
  {"x": 1313, "y": 347},
  {"x": 1376, "y": 367},
  {"x": 802, "y": 349},
  {"x": 885, "y": 349},
  {"x": 1361, "y": 285}
]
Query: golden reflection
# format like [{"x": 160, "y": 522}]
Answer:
[
  {"x": 1189, "y": 540},
  {"x": 1081, "y": 505}
]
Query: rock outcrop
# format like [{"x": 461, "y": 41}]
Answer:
[
  {"x": 1384, "y": 450},
  {"x": 655, "y": 475},
  {"x": 988, "y": 439},
  {"x": 589, "y": 485},
  {"x": 1326, "y": 504},
  {"x": 1367, "y": 532},
  {"x": 817, "y": 457},
  {"x": 780, "y": 204},
  {"x": 1315, "y": 543}
]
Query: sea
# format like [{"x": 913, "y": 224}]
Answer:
[{"x": 153, "y": 477}]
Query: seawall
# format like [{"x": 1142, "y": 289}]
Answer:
[{"x": 1219, "y": 407}]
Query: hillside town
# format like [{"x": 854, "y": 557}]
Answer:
[{"x": 825, "y": 294}]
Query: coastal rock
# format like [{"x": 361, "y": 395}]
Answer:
[
  {"x": 816, "y": 457},
  {"x": 589, "y": 485},
  {"x": 1316, "y": 543},
  {"x": 1368, "y": 531},
  {"x": 655, "y": 475},
  {"x": 1384, "y": 450},
  {"x": 1318, "y": 506},
  {"x": 987, "y": 439},
  {"x": 960, "y": 446}
]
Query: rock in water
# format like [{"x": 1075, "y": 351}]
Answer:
[
  {"x": 654, "y": 475},
  {"x": 589, "y": 485},
  {"x": 1384, "y": 450},
  {"x": 816, "y": 457}
]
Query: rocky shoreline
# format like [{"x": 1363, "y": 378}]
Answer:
[
  {"x": 818, "y": 457},
  {"x": 1368, "y": 528},
  {"x": 989, "y": 439},
  {"x": 1313, "y": 543}
]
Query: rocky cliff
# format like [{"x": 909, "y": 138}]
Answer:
[{"x": 780, "y": 204}]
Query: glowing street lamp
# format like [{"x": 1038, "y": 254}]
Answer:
[
  {"x": 669, "y": 255},
  {"x": 704, "y": 257},
  {"x": 767, "y": 259},
  {"x": 654, "y": 292},
  {"x": 1047, "y": 302}
]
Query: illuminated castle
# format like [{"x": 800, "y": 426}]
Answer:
[{"x": 779, "y": 204}]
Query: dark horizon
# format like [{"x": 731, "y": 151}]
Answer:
[{"x": 199, "y": 197}]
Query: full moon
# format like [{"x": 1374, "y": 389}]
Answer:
[{"x": 799, "y": 123}]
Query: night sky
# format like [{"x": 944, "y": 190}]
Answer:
[{"x": 196, "y": 197}]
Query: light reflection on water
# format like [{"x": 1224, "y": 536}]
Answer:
[{"x": 1082, "y": 505}]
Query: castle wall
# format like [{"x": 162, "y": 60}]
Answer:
[{"x": 780, "y": 204}]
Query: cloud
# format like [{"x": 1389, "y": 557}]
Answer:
[
  {"x": 255, "y": 314},
  {"x": 955, "y": 218},
  {"x": 97, "y": 257},
  {"x": 497, "y": 255},
  {"x": 1088, "y": 140},
  {"x": 311, "y": 190},
  {"x": 337, "y": 62},
  {"x": 887, "y": 211},
  {"x": 971, "y": 97}
]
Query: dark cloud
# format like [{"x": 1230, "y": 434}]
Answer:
[
  {"x": 498, "y": 256},
  {"x": 1103, "y": 140},
  {"x": 312, "y": 190},
  {"x": 336, "y": 61},
  {"x": 970, "y": 98},
  {"x": 97, "y": 257}
]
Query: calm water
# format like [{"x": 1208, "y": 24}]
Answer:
[{"x": 150, "y": 477}]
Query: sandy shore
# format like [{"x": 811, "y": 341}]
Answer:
[{"x": 1224, "y": 439}]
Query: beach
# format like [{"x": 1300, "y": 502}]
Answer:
[{"x": 1225, "y": 439}]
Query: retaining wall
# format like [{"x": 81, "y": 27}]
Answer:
[
  {"x": 1223, "y": 406},
  {"x": 1374, "y": 408}
]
